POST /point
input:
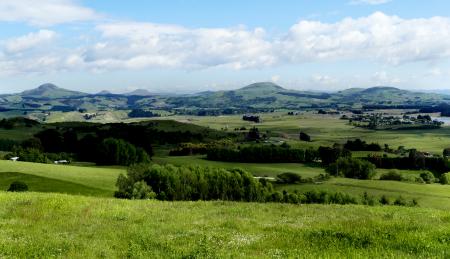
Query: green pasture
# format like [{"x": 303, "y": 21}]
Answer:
[
  {"x": 83, "y": 180},
  {"x": 56, "y": 225},
  {"x": 327, "y": 130}
]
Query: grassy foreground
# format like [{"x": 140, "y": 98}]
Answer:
[{"x": 46, "y": 225}]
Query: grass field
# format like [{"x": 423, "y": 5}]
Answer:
[
  {"x": 82, "y": 180},
  {"x": 56, "y": 225},
  {"x": 327, "y": 130}
]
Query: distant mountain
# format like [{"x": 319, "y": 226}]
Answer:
[
  {"x": 139, "y": 92},
  {"x": 386, "y": 95},
  {"x": 255, "y": 97},
  {"x": 50, "y": 91}
]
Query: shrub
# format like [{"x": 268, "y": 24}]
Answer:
[
  {"x": 18, "y": 186},
  {"x": 427, "y": 176},
  {"x": 384, "y": 200},
  {"x": 445, "y": 178},
  {"x": 289, "y": 178},
  {"x": 400, "y": 201},
  {"x": 391, "y": 176},
  {"x": 304, "y": 137}
]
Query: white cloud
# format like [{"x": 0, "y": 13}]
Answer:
[
  {"x": 44, "y": 12},
  {"x": 369, "y": 2},
  {"x": 377, "y": 38},
  {"x": 141, "y": 45},
  {"x": 29, "y": 41},
  {"x": 380, "y": 37}
]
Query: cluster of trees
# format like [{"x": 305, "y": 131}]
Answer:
[
  {"x": 329, "y": 155},
  {"x": 352, "y": 168},
  {"x": 191, "y": 183},
  {"x": 254, "y": 118},
  {"x": 119, "y": 152},
  {"x": 189, "y": 149},
  {"x": 415, "y": 161},
  {"x": 140, "y": 113},
  {"x": 360, "y": 145},
  {"x": 263, "y": 154},
  {"x": 16, "y": 122},
  {"x": 8, "y": 144}
]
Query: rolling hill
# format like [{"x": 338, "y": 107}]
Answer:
[
  {"x": 258, "y": 96},
  {"x": 50, "y": 91}
]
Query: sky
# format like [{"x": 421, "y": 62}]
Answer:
[{"x": 185, "y": 46}]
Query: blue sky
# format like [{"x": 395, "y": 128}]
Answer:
[{"x": 190, "y": 46}]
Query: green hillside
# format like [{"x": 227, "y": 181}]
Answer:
[{"x": 54, "y": 225}]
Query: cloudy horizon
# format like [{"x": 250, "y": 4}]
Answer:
[{"x": 186, "y": 46}]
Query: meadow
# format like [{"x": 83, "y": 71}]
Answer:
[
  {"x": 57, "y": 225},
  {"x": 78, "y": 180},
  {"x": 69, "y": 210},
  {"x": 326, "y": 130}
]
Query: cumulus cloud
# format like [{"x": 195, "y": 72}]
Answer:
[
  {"x": 44, "y": 12},
  {"x": 380, "y": 37},
  {"x": 29, "y": 41},
  {"x": 133, "y": 45},
  {"x": 140, "y": 45}
]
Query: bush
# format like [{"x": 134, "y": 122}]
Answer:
[
  {"x": 18, "y": 186},
  {"x": 384, "y": 200},
  {"x": 400, "y": 201},
  {"x": 445, "y": 178},
  {"x": 391, "y": 176},
  {"x": 304, "y": 137},
  {"x": 427, "y": 177},
  {"x": 289, "y": 178}
]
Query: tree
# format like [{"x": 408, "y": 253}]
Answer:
[
  {"x": 304, "y": 137},
  {"x": 119, "y": 152},
  {"x": 329, "y": 155}
]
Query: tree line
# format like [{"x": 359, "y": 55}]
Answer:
[
  {"x": 192, "y": 183},
  {"x": 262, "y": 154}
]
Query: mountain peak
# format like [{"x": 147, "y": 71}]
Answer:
[
  {"x": 49, "y": 90},
  {"x": 47, "y": 86}
]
